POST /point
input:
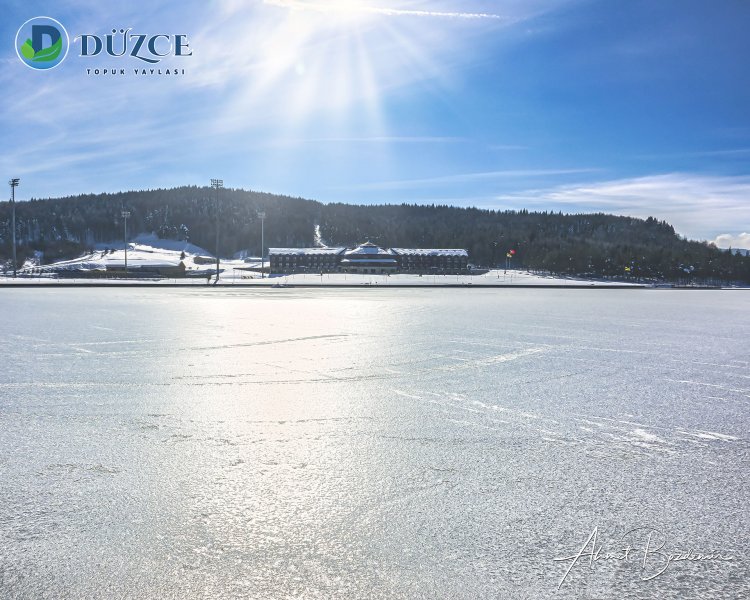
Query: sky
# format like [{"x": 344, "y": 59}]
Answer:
[{"x": 637, "y": 108}]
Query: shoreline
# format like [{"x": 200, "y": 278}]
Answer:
[{"x": 172, "y": 284}]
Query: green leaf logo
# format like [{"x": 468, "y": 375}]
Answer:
[
  {"x": 50, "y": 53},
  {"x": 42, "y": 43},
  {"x": 27, "y": 50}
]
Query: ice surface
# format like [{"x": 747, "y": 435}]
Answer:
[{"x": 287, "y": 443}]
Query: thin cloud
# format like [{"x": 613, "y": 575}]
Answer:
[
  {"x": 368, "y": 140},
  {"x": 698, "y": 206},
  {"x": 467, "y": 177},
  {"x": 377, "y": 10},
  {"x": 698, "y": 154},
  {"x": 398, "y": 140},
  {"x": 506, "y": 147}
]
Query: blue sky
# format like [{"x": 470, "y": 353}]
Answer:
[{"x": 632, "y": 107}]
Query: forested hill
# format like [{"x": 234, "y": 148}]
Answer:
[{"x": 595, "y": 244}]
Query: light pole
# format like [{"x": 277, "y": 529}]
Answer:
[
  {"x": 13, "y": 185},
  {"x": 125, "y": 214},
  {"x": 508, "y": 255},
  {"x": 262, "y": 217},
  {"x": 217, "y": 184}
]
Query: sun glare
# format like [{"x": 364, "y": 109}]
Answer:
[
  {"x": 309, "y": 62},
  {"x": 328, "y": 56},
  {"x": 335, "y": 11},
  {"x": 352, "y": 12}
]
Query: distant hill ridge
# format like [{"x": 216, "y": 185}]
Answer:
[{"x": 596, "y": 244}]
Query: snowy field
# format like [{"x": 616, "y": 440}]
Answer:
[
  {"x": 148, "y": 251},
  {"x": 313, "y": 443}
]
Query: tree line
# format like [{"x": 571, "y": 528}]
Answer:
[{"x": 576, "y": 244}]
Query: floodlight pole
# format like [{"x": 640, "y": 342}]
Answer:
[
  {"x": 125, "y": 214},
  {"x": 262, "y": 216},
  {"x": 13, "y": 185},
  {"x": 217, "y": 184}
]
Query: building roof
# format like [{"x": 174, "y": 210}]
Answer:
[
  {"x": 368, "y": 249},
  {"x": 305, "y": 251},
  {"x": 430, "y": 252}
]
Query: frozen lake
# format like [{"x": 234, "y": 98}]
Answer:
[{"x": 282, "y": 443}]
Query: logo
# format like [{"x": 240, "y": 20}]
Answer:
[
  {"x": 42, "y": 43},
  {"x": 148, "y": 48}
]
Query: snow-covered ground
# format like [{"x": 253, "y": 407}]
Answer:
[
  {"x": 144, "y": 251},
  {"x": 150, "y": 251}
]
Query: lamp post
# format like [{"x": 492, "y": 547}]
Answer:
[
  {"x": 508, "y": 255},
  {"x": 217, "y": 184},
  {"x": 125, "y": 214},
  {"x": 262, "y": 217},
  {"x": 13, "y": 185}
]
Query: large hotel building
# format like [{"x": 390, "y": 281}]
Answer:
[{"x": 367, "y": 258}]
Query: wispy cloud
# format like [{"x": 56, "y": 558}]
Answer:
[
  {"x": 398, "y": 140},
  {"x": 506, "y": 147},
  {"x": 348, "y": 7},
  {"x": 730, "y": 152},
  {"x": 697, "y": 205},
  {"x": 468, "y": 177},
  {"x": 367, "y": 140}
]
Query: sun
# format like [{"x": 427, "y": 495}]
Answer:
[
  {"x": 309, "y": 56},
  {"x": 334, "y": 65}
]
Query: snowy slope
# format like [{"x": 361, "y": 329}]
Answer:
[{"x": 145, "y": 250}]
